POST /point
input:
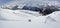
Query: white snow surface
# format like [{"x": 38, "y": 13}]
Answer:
[{"x": 20, "y": 19}]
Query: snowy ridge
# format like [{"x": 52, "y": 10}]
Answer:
[
  {"x": 18, "y": 13},
  {"x": 25, "y": 15}
]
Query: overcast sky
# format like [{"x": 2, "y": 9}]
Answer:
[{"x": 2, "y": 2}]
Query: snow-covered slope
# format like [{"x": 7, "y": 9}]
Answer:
[
  {"x": 24, "y": 14},
  {"x": 11, "y": 14},
  {"x": 20, "y": 19}
]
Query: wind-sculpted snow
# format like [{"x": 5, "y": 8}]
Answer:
[
  {"x": 17, "y": 18},
  {"x": 25, "y": 14},
  {"x": 11, "y": 13}
]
